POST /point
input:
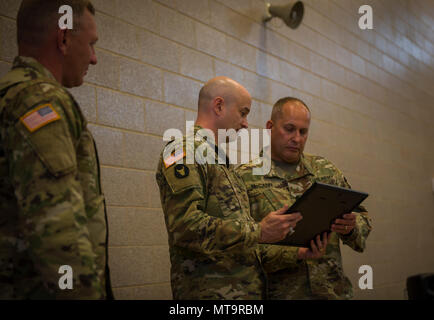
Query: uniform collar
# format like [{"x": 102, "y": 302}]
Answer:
[
  {"x": 303, "y": 169},
  {"x": 220, "y": 153},
  {"x": 35, "y": 66}
]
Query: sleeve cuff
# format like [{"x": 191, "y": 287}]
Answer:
[
  {"x": 351, "y": 236},
  {"x": 253, "y": 234},
  {"x": 289, "y": 257}
]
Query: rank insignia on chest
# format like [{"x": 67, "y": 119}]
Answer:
[
  {"x": 39, "y": 117},
  {"x": 181, "y": 171}
]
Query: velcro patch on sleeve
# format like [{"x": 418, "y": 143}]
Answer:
[
  {"x": 173, "y": 158},
  {"x": 39, "y": 117}
]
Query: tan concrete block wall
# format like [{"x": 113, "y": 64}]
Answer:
[{"x": 370, "y": 93}]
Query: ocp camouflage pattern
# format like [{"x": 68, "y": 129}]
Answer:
[
  {"x": 52, "y": 209},
  {"x": 287, "y": 277},
  {"x": 212, "y": 237}
]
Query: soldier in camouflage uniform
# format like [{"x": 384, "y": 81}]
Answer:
[
  {"x": 212, "y": 236},
  {"x": 52, "y": 210},
  {"x": 314, "y": 273}
]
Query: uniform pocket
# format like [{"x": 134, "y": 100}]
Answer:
[
  {"x": 224, "y": 191},
  {"x": 228, "y": 200}
]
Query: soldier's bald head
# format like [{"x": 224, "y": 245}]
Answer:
[{"x": 223, "y": 87}]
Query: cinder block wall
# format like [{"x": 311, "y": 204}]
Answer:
[{"x": 370, "y": 93}]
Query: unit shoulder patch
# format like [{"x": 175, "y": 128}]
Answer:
[{"x": 181, "y": 171}]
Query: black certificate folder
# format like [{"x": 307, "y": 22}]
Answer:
[{"x": 320, "y": 205}]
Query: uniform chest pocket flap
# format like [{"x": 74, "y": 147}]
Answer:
[{"x": 223, "y": 189}]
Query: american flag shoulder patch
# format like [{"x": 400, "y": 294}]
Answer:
[
  {"x": 39, "y": 117},
  {"x": 173, "y": 158}
]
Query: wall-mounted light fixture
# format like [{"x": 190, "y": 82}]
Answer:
[{"x": 291, "y": 14}]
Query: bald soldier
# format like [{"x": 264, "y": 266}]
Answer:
[
  {"x": 52, "y": 209},
  {"x": 212, "y": 236},
  {"x": 315, "y": 272}
]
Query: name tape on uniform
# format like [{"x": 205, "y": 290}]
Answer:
[{"x": 39, "y": 117}]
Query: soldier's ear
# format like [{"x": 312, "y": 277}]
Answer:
[
  {"x": 218, "y": 105},
  {"x": 62, "y": 40},
  {"x": 269, "y": 124}
]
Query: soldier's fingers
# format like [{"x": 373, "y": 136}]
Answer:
[
  {"x": 345, "y": 229},
  {"x": 297, "y": 215},
  {"x": 338, "y": 228},
  {"x": 339, "y": 221},
  {"x": 351, "y": 219},
  {"x": 350, "y": 216},
  {"x": 341, "y": 227},
  {"x": 286, "y": 225},
  {"x": 314, "y": 247},
  {"x": 344, "y": 222},
  {"x": 325, "y": 239},
  {"x": 346, "y": 226},
  {"x": 294, "y": 222},
  {"x": 282, "y": 210},
  {"x": 319, "y": 243},
  {"x": 293, "y": 217}
]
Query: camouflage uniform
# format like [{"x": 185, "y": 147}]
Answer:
[
  {"x": 287, "y": 277},
  {"x": 212, "y": 237},
  {"x": 51, "y": 204}
]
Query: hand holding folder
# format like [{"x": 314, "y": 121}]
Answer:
[{"x": 320, "y": 206}]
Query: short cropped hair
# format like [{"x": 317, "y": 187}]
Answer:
[
  {"x": 204, "y": 96},
  {"x": 36, "y": 18},
  {"x": 277, "y": 108}
]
